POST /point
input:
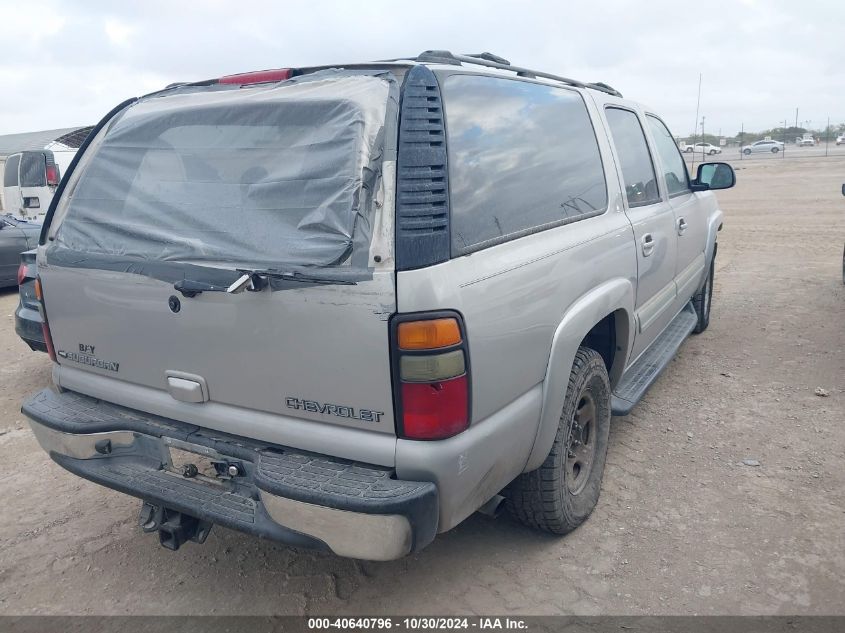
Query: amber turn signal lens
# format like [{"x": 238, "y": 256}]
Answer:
[
  {"x": 38, "y": 289},
  {"x": 431, "y": 334}
]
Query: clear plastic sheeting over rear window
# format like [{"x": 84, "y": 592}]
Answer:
[{"x": 271, "y": 176}]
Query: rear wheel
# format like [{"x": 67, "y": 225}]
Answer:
[
  {"x": 703, "y": 299},
  {"x": 746, "y": 151},
  {"x": 561, "y": 494},
  {"x": 775, "y": 150}
]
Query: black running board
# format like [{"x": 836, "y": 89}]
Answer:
[{"x": 641, "y": 375}]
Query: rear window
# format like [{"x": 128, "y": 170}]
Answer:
[
  {"x": 33, "y": 169},
  {"x": 522, "y": 157},
  {"x": 10, "y": 171},
  {"x": 270, "y": 176}
]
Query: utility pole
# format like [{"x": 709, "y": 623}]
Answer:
[
  {"x": 741, "y": 139},
  {"x": 703, "y": 159},
  {"x": 796, "y": 118},
  {"x": 827, "y": 137},
  {"x": 695, "y": 126},
  {"x": 783, "y": 153}
]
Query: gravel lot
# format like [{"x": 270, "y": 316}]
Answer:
[{"x": 682, "y": 527}]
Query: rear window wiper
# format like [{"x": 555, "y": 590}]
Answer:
[{"x": 254, "y": 281}]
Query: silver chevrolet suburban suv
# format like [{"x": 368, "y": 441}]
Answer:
[{"x": 346, "y": 307}]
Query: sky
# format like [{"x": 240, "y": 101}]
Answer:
[{"x": 68, "y": 63}]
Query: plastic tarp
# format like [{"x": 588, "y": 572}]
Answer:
[{"x": 271, "y": 176}]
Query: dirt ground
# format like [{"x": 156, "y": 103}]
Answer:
[{"x": 682, "y": 527}]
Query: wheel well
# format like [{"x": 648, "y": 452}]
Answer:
[{"x": 609, "y": 337}]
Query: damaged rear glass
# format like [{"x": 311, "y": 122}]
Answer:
[{"x": 270, "y": 176}]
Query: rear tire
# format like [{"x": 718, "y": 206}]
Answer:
[
  {"x": 561, "y": 494},
  {"x": 747, "y": 152},
  {"x": 775, "y": 150},
  {"x": 703, "y": 299}
]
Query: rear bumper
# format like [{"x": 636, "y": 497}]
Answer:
[
  {"x": 28, "y": 327},
  {"x": 298, "y": 498}
]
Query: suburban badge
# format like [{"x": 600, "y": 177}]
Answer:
[{"x": 85, "y": 356}]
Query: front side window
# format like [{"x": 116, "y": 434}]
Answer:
[
  {"x": 674, "y": 168},
  {"x": 522, "y": 157},
  {"x": 635, "y": 159},
  {"x": 10, "y": 172}
]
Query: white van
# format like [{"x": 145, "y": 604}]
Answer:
[{"x": 29, "y": 182}]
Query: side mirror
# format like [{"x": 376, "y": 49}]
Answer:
[
  {"x": 843, "y": 190},
  {"x": 714, "y": 176}
]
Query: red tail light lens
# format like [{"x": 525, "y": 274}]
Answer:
[
  {"x": 257, "y": 77},
  {"x": 52, "y": 175},
  {"x": 21, "y": 273},
  {"x": 45, "y": 326},
  {"x": 48, "y": 341},
  {"x": 434, "y": 411},
  {"x": 430, "y": 375}
]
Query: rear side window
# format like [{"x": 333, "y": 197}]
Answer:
[
  {"x": 674, "y": 168},
  {"x": 635, "y": 159},
  {"x": 10, "y": 172},
  {"x": 33, "y": 169},
  {"x": 522, "y": 157}
]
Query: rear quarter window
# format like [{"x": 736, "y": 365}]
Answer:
[{"x": 522, "y": 157}]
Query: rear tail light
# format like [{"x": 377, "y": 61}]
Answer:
[
  {"x": 21, "y": 273},
  {"x": 51, "y": 170},
  {"x": 429, "y": 334},
  {"x": 52, "y": 175},
  {"x": 45, "y": 326},
  {"x": 431, "y": 375},
  {"x": 257, "y": 77}
]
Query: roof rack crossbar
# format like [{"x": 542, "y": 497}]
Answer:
[{"x": 494, "y": 61}]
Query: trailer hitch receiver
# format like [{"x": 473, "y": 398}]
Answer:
[{"x": 174, "y": 528}]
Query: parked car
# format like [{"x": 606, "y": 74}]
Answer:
[
  {"x": 807, "y": 141},
  {"x": 703, "y": 148},
  {"x": 763, "y": 146},
  {"x": 16, "y": 236},
  {"x": 29, "y": 182},
  {"x": 27, "y": 317},
  {"x": 840, "y": 139},
  {"x": 339, "y": 326}
]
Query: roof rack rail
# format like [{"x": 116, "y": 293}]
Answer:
[
  {"x": 490, "y": 57},
  {"x": 494, "y": 61},
  {"x": 600, "y": 85}
]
